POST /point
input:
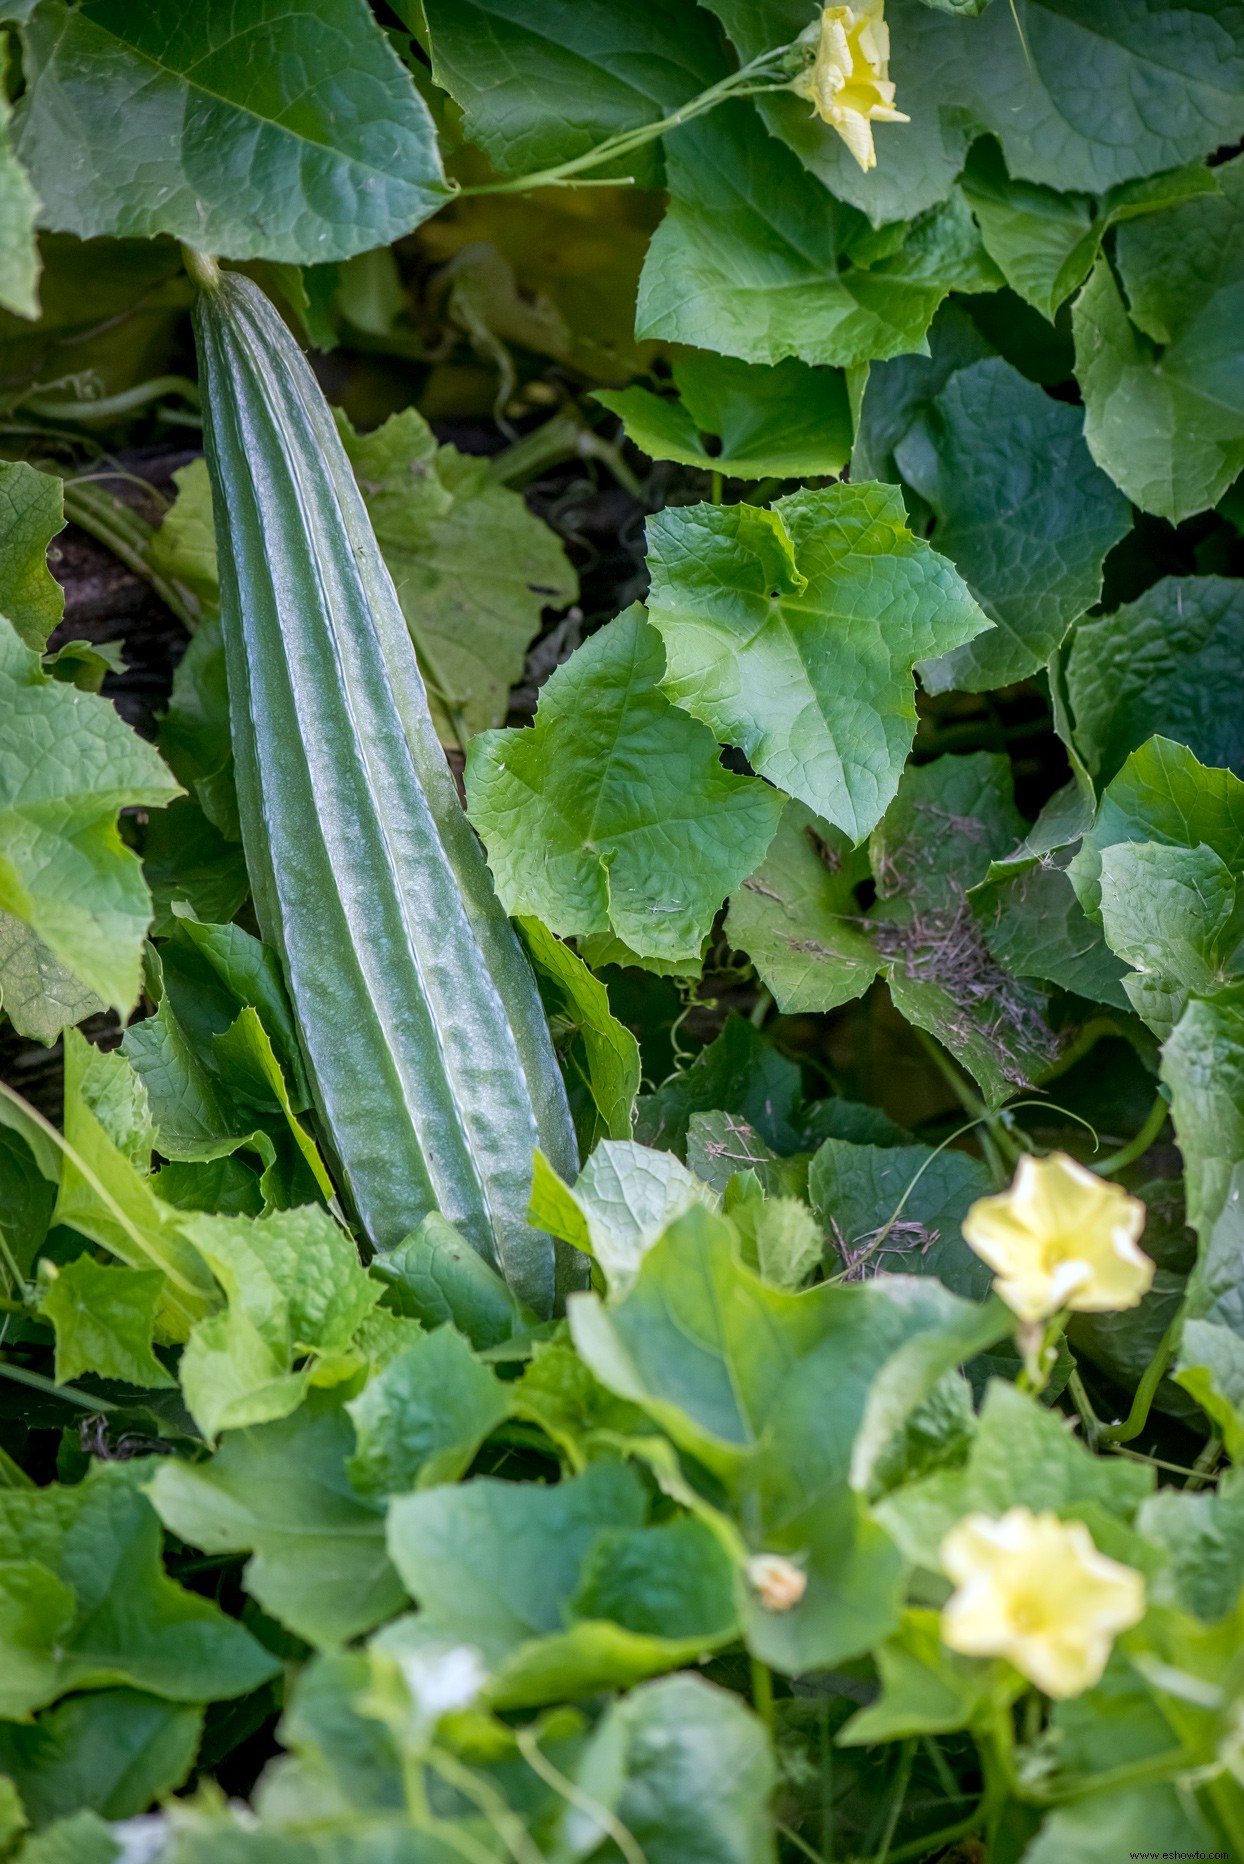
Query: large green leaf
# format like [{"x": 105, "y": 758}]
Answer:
[
  {"x": 752, "y": 257},
  {"x": 1161, "y": 664},
  {"x": 1173, "y": 915},
  {"x": 1164, "y": 388},
  {"x": 112, "y": 1752},
  {"x": 614, "y": 812},
  {"x": 1022, "y": 512},
  {"x": 1044, "y": 242},
  {"x": 686, "y": 1769},
  {"x": 293, "y": 135},
  {"x": 472, "y": 567},
  {"x": 67, "y": 765},
  {"x": 562, "y": 1589},
  {"x": 280, "y": 1492},
  {"x": 622, "y": 1201},
  {"x": 421, "y": 1419},
  {"x": 1162, "y": 794},
  {"x": 97, "y": 1549},
  {"x": 793, "y": 632},
  {"x": 786, "y": 421},
  {"x": 760, "y": 1386},
  {"x": 799, "y": 919},
  {"x": 1035, "y": 73},
  {"x": 900, "y": 1207},
  {"x": 32, "y": 513},
  {"x": 539, "y": 85},
  {"x": 738, "y": 1073}
]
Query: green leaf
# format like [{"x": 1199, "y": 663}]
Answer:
[
  {"x": 1164, "y": 409},
  {"x": 686, "y": 1769},
  {"x": 105, "y": 1187},
  {"x": 435, "y": 1277},
  {"x": 187, "y": 862},
  {"x": 799, "y": 919},
  {"x": 295, "y": 1286},
  {"x": 423, "y": 1417},
  {"x": 1172, "y": 914},
  {"x": 103, "y": 1318},
  {"x": 1203, "y": 1066},
  {"x": 20, "y": 264},
  {"x": 610, "y": 1051},
  {"x": 757, "y": 1385},
  {"x": 925, "y": 1687},
  {"x": 110, "y": 1613},
  {"x": 1107, "y": 1823},
  {"x": 560, "y": 1394},
  {"x": 1022, "y": 512},
  {"x": 68, "y": 765},
  {"x": 562, "y": 1589},
  {"x": 27, "y": 1198},
  {"x": 1034, "y": 74},
  {"x": 32, "y": 513},
  {"x": 1036, "y": 928},
  {"x": 1211, "y": 1347},
  {"x": 83, "y": 1838},
  {"x": 112, "y": 1753},
  {"x": 621, "y": 1202},
  {"x": 40, "y": 995},
  {"x": 786, "y": 421},
  {"x": 183, "y": 548},
  {"x": 751, "y": 257},
  {"x": 614, "y": 811},
  {"x": 779, "y": 1239},
  {"x": 1162, "y": 794},
  {"x": 434, "y": 511},
  {"x": 138, "y": 123},
  {"x": 1021, "y": 1455},
  {"x": 194, "y": 732},
  {"x": 898, "y": 392},
  {"x": 281, "y": 1492},
  {"x": 13, "y": 1819},
  {"x": 542, "y": 87},
  {"x": 1160, "y": 665},
  {"x": 877, "y": 1210},
  {"x": 737, "y": 1073},
  {"x": 1201, "y": 1536},
  {"x": 1044, "y": 242},
  {"x": 774, "y": 635}
]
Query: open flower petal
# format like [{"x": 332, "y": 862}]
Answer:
[
  {"x": 1061, "y": 1237},
  {"x": 1037, "y": 1591},
  {"x": 848, "y": 82}
]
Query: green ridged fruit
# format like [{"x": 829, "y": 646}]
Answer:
[{"x": 429, "y": 1055}]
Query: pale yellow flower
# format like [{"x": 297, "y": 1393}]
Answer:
[
  {"x": 848, "y": 82},
  {"x": 780, "y": 1583},
  {"x": 1035, "y": 1590},
  {"x": 1061, "y": 1238}
]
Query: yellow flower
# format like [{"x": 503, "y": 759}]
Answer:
[
  {"x": 1035, "y": 1590},
  {"x": 848, "y": 82},
  {"x": 1061, "y": 1237}
]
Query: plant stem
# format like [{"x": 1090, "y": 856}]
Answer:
[
  {"x": 898, "y": 1800},
  {"x": 739, "y": 84},
  {"x": 1137, "y": 1147},
  {"x": 1150, "y": 1379},
  {"x": 128, "y": 536},
  {"x": 70, "y": 1393}
]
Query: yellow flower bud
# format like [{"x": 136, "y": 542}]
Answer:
[
  {"x": 1061, "y": 1237},
  {"x": 779, "y": 1582},
  {"x": 848, "y": 82},
  {"x": 1035, "y": 1590}
]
